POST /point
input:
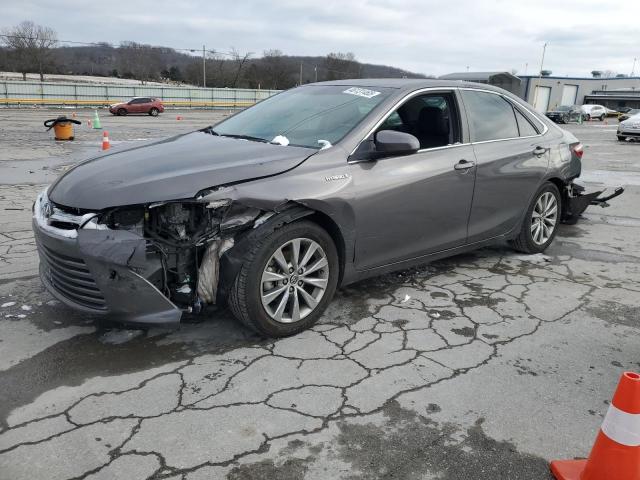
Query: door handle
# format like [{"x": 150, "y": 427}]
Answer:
[
  {"x": 539, "y": 151},
  {"x": 464, "y": 165}
]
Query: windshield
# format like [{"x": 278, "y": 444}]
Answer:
[{"x": 314, "y": 116}]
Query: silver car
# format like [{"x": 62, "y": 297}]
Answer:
[
  {"x": 322, "y": 185},
  {"x": 629, "y": 128}
]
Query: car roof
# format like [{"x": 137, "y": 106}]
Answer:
[{"x": 405, "y": 84}]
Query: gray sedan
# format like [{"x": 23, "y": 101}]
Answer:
[{"x": 319, "y": 186}]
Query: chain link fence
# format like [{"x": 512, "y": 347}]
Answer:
[{"x": 18, "y": 93}]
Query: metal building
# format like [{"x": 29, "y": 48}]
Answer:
[{"x": 553, "y": 91}]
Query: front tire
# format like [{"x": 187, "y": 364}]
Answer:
[
  {"x": 286, "y": 280},
  {"x": 602, "y": 118},
  {"x": 541, "y": 221},
  {"x": 621, "y": 138},
  {"x": 122, "y": 112}
]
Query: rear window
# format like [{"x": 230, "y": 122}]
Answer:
[
  {"x": 524, "y": 125},
  {"x": 491, "y": 117}
]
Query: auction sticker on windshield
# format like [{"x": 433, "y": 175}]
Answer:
[{"x": 361, "y": 92}]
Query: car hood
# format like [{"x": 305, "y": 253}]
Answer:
[
  {"x": 170, "y": 169},
  {"x": 113, "y": 105}
]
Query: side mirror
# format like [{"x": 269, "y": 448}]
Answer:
[{"x": 391, "y": 142}]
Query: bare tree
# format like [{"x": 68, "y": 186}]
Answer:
[
  {"x": 30, "y": 47},
  {"x": 139, "y": 61},
  {"x": 341, "y": 65},
  {"x": 275, "y": 71},
  {"x": 239, "y": 62}
]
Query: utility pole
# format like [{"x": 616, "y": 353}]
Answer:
[
  {"x": 535, "y": 95},
  {"x": 315, "y": 70},
  {"x": 204, "y": 69},
  {"x": 300, "y": 74},
  {"x": 633, "y": 69}
]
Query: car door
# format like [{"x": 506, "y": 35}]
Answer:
[
  {"x": 136, "y": 105},
  {"x": 145, "y": 105},
  {"x": 412, "y": 205},
  {"x": 512, "y": 157}
]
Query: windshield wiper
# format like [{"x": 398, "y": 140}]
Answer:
[
  {"x": 210, "y": 130},
  {"x": 244, "y": 137}
]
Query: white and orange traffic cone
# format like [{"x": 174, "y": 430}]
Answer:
[
  {"x": 616, "y": 452},
  {"x": 105, "y": 141}
]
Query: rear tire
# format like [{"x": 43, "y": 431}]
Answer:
[
  {"x": 154, "y": 112},
  {"x": 122, "y": 112},
  {"x": 541, "y": 221},
  {"x": 247, "y": 297}
]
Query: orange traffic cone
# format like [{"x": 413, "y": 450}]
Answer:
[
  {"x": 616, "y": 452},
  {"x": 105, "y": 141}
]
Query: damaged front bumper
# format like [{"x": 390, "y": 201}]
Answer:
[
  {"x": 577, "y": 201},
  {"x": 100, "y": 271}
]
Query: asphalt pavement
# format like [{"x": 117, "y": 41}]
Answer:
[{"x": 485, "y": 365}]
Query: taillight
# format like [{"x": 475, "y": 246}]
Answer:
[{"x": 578, "y": 149}]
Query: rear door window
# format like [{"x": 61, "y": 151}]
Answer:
[{"x": 491, "y": 117}]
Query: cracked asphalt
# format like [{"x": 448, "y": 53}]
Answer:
[{"x": 485, "y": 365}]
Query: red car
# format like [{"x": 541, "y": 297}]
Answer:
[{"x": 151, "y": 106}]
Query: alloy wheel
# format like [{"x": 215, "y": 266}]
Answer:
[
  {"x": 544, "y": 218},
  {"x": 294, "y": 280}
]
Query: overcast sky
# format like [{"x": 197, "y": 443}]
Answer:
[{"x": 426, "y": 36}]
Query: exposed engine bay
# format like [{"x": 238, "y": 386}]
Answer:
[
  {"x": 188, "y": 239},
  {"x": 172, "y": 247}
]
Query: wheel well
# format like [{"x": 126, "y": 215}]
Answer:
[
  {"x": 561, "y": 188},
  {"x": 326, "y": 222}
]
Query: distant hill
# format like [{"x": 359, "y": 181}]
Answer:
[{"x": 146, "y": 63}]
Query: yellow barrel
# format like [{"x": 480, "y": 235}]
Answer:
[
  {"x": 63, "y": 130},
  {"x": 62, "y": 127}
]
